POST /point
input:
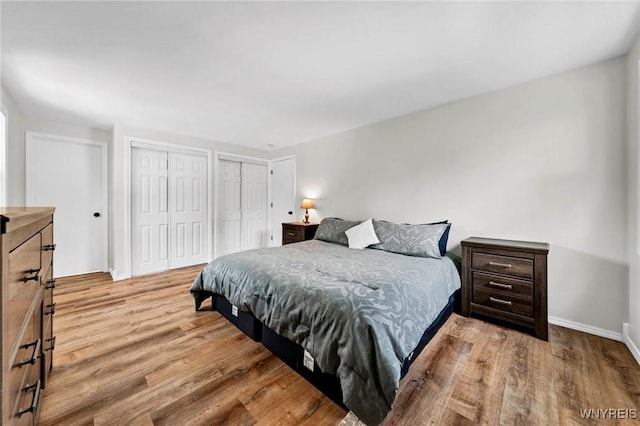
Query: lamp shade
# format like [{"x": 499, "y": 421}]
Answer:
[{"x": 306, "y": 204}]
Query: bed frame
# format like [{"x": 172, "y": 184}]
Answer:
[{"x": 293, "y": 355}]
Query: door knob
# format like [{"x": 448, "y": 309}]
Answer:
[
  {"x": 289, "y": 212},
  {"x": 96, "y": 214}
]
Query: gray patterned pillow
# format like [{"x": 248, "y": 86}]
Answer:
[
  {"x": 412, "y": 240},
  {"x": 332, "y": 229}
]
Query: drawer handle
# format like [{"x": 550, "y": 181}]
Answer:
[
  {"x": 36, "y": 277},
  {"x": 35, "y": 388},
  {"x": 53, "y": 344},
  {"x": 50, "y": 284},
  {"x": 49, "y": 247},
  {"x": 503, "y": 302},
  {"x": 34, "y": 355},
  {"x": 500, "y": 285},
  {"x": 291, "y": 234},
  {"x": 52, "y": 309},
  {"x": 502, "y": 265}
]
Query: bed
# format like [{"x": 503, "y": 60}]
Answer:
[{"x": 359, "y": 316}]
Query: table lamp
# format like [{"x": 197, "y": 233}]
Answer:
[{"x": 306, "y": 204}]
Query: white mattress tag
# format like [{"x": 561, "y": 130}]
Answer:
[
  {"x": 234, "y": 310},
  {"x": 307, "y": 361}
]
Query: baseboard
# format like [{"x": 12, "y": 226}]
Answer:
[
  {"x": 586, "y": 328},
  {"x": 633, "y": 348},
  {"x": 116, "y": 277}
]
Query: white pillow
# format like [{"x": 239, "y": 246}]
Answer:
[{"x": 361, "y": 236}]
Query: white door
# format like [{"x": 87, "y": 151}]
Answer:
[
  {"x": 150, "y": 211},
  {"x": 229, "y": 207},
  {"x": 282, "y": 196},
  {"x": 255, "y": 230},
  {"x": 242, "y": 206},
  {"x": 69, "y": 174},
  {"x": 187, "y": 210}
]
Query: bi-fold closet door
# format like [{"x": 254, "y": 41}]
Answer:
[
  {"x": 169, "y": 210},
  {"x": 242, "y": 206}
]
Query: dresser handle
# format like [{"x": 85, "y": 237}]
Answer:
[
  {"x": 34, "y": 355},
  {"x": 36, "y": 277},
  {"x": 502, "y": 265},
  {"x": 504, "y": 302},
  {"x": 35, "y": 388},
  {"x": 500, "y": 285},
  {"x": 291, "y": 234},
  {"x": 50, "y": 284},
  {"x": 52, "y": 310},
  {"x": 49, "y": 247},
  {"x": 53, "y": 344}
]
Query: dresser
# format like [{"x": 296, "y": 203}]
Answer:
[
  {"x": 294, "y": 232},
  {"x": 26, "y": 255},
  {"x": 507, "y": 281}
]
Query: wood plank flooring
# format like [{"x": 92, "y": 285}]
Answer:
[{"x": 135, "y": 352}]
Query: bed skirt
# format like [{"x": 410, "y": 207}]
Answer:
[{"x": 293, "y": 354}]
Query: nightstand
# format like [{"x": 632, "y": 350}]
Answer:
[
  {"x": 294, "y": 232},
  {"x": 506, "y": 280}
]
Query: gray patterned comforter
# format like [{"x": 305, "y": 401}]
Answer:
[{"x": 358, "y": 312}]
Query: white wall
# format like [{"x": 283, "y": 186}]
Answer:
[
  {"x": 14, "y": 152},
  {"x": 541, "y": 161},
  {"x": 633, "y": 137},
  {"x": 18, "y": 126},
  {"x": 119, "y": 215}
]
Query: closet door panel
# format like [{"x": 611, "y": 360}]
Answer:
[
  {"x": 254, "y": 206},
  {"x": 187, "y": 209},
  {"x": 149, "y": 206},
  {"x": 229, "y": 207}
]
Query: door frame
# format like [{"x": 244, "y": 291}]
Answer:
[
  {"x": 293, "y": 195},
  {"x": 136, "y": 142},
  {"x": 4, "y": 149},
  {"x": 220, "y": 155},
  {"x": 31, "y": 138}
]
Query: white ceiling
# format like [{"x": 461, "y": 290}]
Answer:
[{"x": 260, "y": 73}]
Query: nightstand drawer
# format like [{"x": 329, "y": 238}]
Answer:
[
  {"x": 295, "y": 232},
  {"x": 293, "y": 235},
  {"x": 515, "y": 266},
  {"x": 499, "y": 301},
  {"x": 502, "y": 285}
]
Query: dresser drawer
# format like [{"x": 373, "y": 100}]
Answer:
[
  {"x": 47, "y": 282},
  {"x": 502, "y": 302},
  {"x": 515, "y": 266},
  {"x": 48, "y": 345},
  {"x": 24, "y": 374},
  {"x": 24, "y": 283},
  {"x": 502, "y": 285},
  {"x": 47, "y": 245},
  {"x": 28, "y": 401}
]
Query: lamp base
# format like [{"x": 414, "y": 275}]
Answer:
[{"x": 306, "y": 216}]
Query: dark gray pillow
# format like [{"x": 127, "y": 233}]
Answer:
[
  {"x": 332, "y": 229},
  {"x": 412, "y": 240}
]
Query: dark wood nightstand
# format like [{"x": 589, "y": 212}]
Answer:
[
  {"x": 506, "y": 280},
  {"x": 294, "y": 232}
]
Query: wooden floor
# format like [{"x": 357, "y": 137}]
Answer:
[{"x": 135, "y": 352}]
